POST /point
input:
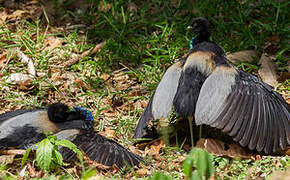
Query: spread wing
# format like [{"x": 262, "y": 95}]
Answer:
[
  {"x": 160, "y": 104},
  {"x": 12, "y": 114},
  {"x": 99, "y": 149},
  {"x": 244, "y": 107},
  {"x": 22, "y": 137}
]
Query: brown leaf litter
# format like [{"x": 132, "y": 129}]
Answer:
[
  {"x": 243, "y": 56},
  {"x": 267, "y": 71},
  {"x": 218, "y": 148}
]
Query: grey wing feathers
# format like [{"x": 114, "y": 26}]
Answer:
[
  {"x": 102, "y": 150},
  {"x": 160, "y": 105},
  {"x": 12, "y": 114},
  {"x": 246, "y": 108},
  {"x": 146, "y": 117},
  {"x": 165, "y": 92}
]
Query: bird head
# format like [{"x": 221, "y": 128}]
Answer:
[
  {"x": 200, "y": 25},
  {"x": 58, "y": 112}
]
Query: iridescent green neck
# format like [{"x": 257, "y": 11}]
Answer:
[{"x": 192, "y": 42}]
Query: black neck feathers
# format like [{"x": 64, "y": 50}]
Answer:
[
  {"x": 59, "y": 112},
  {"x": 202, "y": 36}
]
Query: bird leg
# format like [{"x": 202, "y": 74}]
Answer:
[
  {"x": 200, "y": 131},
  {"x": 164, "y": 129},
  {"x": 190, "y": 119}
]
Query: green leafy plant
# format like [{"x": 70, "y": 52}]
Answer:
[
  {"x": 198, "y": 165},
  {"x": 161, "y": 176},
  {"x": 47, "y": 155}
]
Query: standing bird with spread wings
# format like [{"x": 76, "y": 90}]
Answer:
[{"x": 205, "y": 88}]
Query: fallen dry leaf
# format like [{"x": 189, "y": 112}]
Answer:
[
  {"x": 84, "y": 54},
  {"x": 13, "y": 152},
  {"x": 6, "y": 159},
  {"x": 243, "y": 56},
  {"x": 19, "y": 78},
  {"x": 287, "y": 151},
  {"x": 143, "y": 172},
  {"x": 80, "y": 83},
  {"x": 52, "y": 43},
  {"x": 267, "y": 71},
  {"x": 109, "y": 133},
  {"x": 278, "y": 175},
  {"x": 155, "y": 147},
  {"x": 26, "y": 60},
  {"x": 284, "y": 76},
  {"x": 32, "y": 172},
  {"x": 3, "y": 17},
  {"x": 218, "y": 148},
  {"x": 3, "y": 59},
  {"x": 18, "y": 14}
]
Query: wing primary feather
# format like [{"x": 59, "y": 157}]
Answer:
[
  {"x": 275, "y": 130},
  {"x": 279, "y": 120},
  {"x": 250, "y": 131},
  {"x": 224, "y": 111},
  {"x": 255, "y": 137},
  {"x": 269, "y": 141},
  {"x": 221, "y": 123},
  {"x": 105, "y": 151},
  {"x": 264, "y": 120},
  {"x": 286, "y": 118},
  {"x": 285, "y": 127},
  {"x": 146, "y": 117},
  {"x": 234, "y": 119},
  {"x": 244, "y": 119}
]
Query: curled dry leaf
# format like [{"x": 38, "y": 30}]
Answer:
[
  {"x": 134, "y": 150},
  {"x": 6, "y": 159},
  {"x": 154, "y": 148},
  {"x": 19, "y": 78},
  {"x": 218, "y": 148},
  {"x": 243, "y": 56},
  {"x": 267, "y": 71},
  {"x": 26, "y": 60},
  {"x": 85, "y": 54}
]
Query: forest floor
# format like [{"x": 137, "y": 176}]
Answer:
[{"x": 109, "y": 57}]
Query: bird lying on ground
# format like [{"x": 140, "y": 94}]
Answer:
[
  {"x": 24, "y": 128},
  {"x": 206, "y": 88}
]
